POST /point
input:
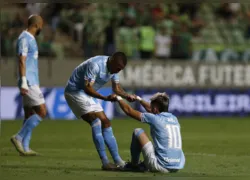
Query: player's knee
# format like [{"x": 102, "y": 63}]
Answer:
[
  {"x": 42, "y": 113},
  {"x": 138, "y": 131},
  {"x": 89, "y": 117},
  {"x": 41, "y": 110},
  {"x": 106, "y": 124}
]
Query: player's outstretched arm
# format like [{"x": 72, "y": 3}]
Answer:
[
  {"x": 92, "y": 92},
  {"x": 117, "y": 89},
  {"x": 145, "y": 104},
  {"x": 128, "y": 110}
]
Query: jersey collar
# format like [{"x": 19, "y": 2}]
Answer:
[{"x": 29, "y": 34}]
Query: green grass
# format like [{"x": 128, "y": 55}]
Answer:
[{"x": 213, "y": 147}]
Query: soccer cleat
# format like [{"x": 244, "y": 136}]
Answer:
[
  {"x": 30, "y": 153},
  {"x": 18, "y": 145},
  {"x": 110, "y": 167},
  {"x": 135, "y": 168},
  {"x": 142, "y": 167},
  {"x": 128, "y": 167}
]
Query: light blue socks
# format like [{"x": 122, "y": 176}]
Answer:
[
  {"x": 96, "y": 126},
  {"x": 25, "y": 133},
  {"x": 112, "y": 145}
]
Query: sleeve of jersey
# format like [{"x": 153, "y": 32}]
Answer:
[
  {"x": 115, "y": 78},
  {"x": 91, "y": 72},
  {"x": 147, "y": 118},
  {"x": 22, "y": 47}
]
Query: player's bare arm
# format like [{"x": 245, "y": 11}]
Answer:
[
  {"x": 145, "y": 104},
  {"x": 22, "y": 70},
  {"x": 92, "y": 92},
  {"x": 128, "y": 109},
  {"x": 117, "y": 89}
]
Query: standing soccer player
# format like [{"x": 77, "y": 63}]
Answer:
[
  {"x": 81, "y": 95},
  {"x": 166, "y": 154},
  {"x": 33, "y": 100}
]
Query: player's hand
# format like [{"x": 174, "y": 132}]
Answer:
[
  {"x": 24, "y": 86},
  {"x": 131, "y": 97},
  {"x": 24, "y": 91},
  {"x": 111, "y": 98}
]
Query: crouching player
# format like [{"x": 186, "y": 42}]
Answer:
[
  {"x": 166, "y": 154},
  {"x": 81, "y": 95}
]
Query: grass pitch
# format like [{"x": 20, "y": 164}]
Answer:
[{"x": 212, "y": 146}]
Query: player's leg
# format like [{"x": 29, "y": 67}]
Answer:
[
  {"x": 33, "y": 99},
  {"x": 80, "y": 104},
  {"x": 97, "y": 136},
  {"x": 110, "y": 139},
  {"x": 136, "y": 145},
  {"x": 28, "y": 111},
  {"x": 139, "y": 139},
  {"x": 148, "y": 152},
  {"x": 33, "y": 121}
]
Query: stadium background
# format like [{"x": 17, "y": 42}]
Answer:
[
  {"x": 205, "y": 67},
  {"x": 205, "y": 70}
]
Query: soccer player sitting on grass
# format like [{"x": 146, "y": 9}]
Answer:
[
  {"x": 81, "y": 95},
  {"x": 166, "y": 154}
]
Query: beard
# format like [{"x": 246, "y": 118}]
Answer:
[{"x": 38, "y": 32}]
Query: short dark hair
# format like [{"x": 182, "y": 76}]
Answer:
[
  {"x": 161, "y": 100},
  {"x": 121, "y": 56},
  {"x": 33, "y": 19}
]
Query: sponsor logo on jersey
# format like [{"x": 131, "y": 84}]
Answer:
[{"x": 171, "y": 160}]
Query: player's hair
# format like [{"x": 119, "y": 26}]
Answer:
[
  {"x": 120, "y": 56},
  {"x": 161, "y": 100},
  {"x": 32, "y": 20}
]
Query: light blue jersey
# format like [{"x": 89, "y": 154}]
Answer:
[
  {"x": 94, "y": 70},
  {"x": 27, "y": 46},
  {"x": 165, "y": 132}
]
